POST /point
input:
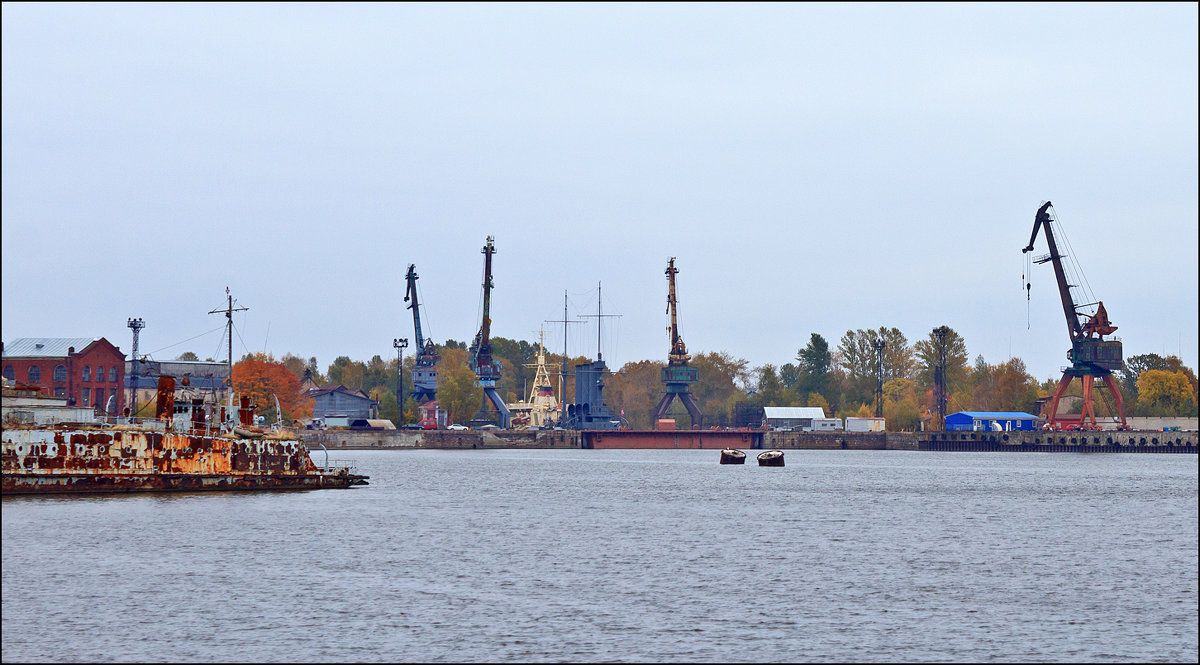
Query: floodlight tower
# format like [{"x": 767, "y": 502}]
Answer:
[{"x": 136, "y": 326}]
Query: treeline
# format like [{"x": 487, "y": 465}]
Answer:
[{"x": 840, "y": 379}]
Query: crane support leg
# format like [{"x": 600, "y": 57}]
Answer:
[
  {"x": 1088, "y": 413},
  {"x": 1052, "y": 410},
  {"x": 1116, "y": 393},
  {"x": 501, "y": 409},
  {"x": 689, "y": 403},
  {"x": 693, "y": 410}
]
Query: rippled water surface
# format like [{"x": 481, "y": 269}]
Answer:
[{"x": 625, "y": 555}]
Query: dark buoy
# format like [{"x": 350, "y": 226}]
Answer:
[
  {"x": 771, "y": 458},
  {"x": 731, "y": 456}
]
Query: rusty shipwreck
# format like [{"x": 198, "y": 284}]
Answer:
[{"x": 190, "y": 445}]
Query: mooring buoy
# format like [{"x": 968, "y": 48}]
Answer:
[
  {"x": 771, "y": 458},
  {"x": 732, "y": 456}
]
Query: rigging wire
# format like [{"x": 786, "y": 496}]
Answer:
[
  {"x": 187, "y": 340},
  {"x": 1076, "y": 269}
]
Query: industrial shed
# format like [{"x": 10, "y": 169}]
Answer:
[
  {"x": 787, "y": 418},
  {"x": 990, "y": 421}
]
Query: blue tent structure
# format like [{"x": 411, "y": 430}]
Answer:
[{"x": 990, "y": 421}]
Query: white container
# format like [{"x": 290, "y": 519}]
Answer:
[{"x": 865, "y": 425}]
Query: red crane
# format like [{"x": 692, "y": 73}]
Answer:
[{"x": 1091, "y": 355}]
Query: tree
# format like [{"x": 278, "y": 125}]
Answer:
[
  {"x": 900, "y": 408},
  {"x": 1004, "y": 387},
  {"x": 816, "y": 399},
  {"x": 388, "y": 408},
  {"x": 957, "y": 369},
  {"x": 456, "y": 390},
  {"x": 347, "y": 373},
  {"x": 188, "y": 355},
  {"x": 1134, "y": 367},
  {"x": 1163, "y": 393},
  {"x": 635, "y": 391},
  {"x": 816, "y": 363},
  {"x": 262, "y": 379},
  {"x": 295, "y": 364},
  {"x": 856, "y": 356},
  {"x": 721, "y": 385}
]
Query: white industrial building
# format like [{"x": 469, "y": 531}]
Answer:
[{"x": 798, "y": 419}]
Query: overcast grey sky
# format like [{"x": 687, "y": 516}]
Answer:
[{"x": 813, "y": 168}]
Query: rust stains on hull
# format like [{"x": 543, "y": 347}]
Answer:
[{"x": 90, "y": 459}]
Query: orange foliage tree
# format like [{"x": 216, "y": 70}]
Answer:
[{"x": 261, "y": 378}]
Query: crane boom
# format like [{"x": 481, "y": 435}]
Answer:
[
  {"x": 426, "y": 359},
  {"x": 487, "y": 370},
  {"x": 678, "y": 349},
  {"x": 1070, "y": 309},
  {"x": 411, "y": 293}
]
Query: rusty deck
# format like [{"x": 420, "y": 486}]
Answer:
[{"x": 38, "y": 460}]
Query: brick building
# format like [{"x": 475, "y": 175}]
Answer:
[{"x": 87, "y": 372}]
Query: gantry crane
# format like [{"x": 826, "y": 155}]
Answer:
[
  {"x": 425, "y": 362},
  {"x": 487, "y": 370},
  {"x": 677, "y": 376},
  {"x": 1091, "y": 355}
]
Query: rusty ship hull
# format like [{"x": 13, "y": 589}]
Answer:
[{"x": 62, "y": 459}]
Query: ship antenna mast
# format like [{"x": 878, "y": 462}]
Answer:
[{"x": 228, "y": 312}]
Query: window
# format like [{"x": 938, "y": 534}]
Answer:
[
  {"x": 60, "y": 374},
  {"x": 87, "y": 396},
  {"x": 112, "y": 374},
  {"x": 99, "y": 374},
  {"x": 87, "y": 373},
  {"x": 60, "y": 392},
  {"x": 35, "y": 374},
  {"x": 10, "y": 373}
]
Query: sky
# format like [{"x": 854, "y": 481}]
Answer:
[{"x": 813, "y": 168}]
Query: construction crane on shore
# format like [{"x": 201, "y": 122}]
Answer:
[
  {"x": 487, "y": 370},
  {"x": 1091, "y": 355},
  {"x": 425, "y": 362},
  {"x": 677, "y": 377}
]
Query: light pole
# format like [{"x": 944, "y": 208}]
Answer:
[
  {"x": 136, "y": 326},
  {"x": 400, "y": 343}
]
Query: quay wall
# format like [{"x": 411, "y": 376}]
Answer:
[
  {"x": 839, "y": 440},
  {"x": 1140, "y": 441},
  {"x": 1036, "y": 441},
  {"x": 437, "y": 439}
]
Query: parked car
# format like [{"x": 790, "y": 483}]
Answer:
[
  {"x": 458, "y": 427},
  {"x": 489, "y": 427},
  {"x": 412, "y": 426}
]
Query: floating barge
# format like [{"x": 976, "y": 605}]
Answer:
[
  {"x": 695, "y": 439},
  {"x": 178, "y": 451}
]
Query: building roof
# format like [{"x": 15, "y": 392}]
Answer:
[
  {"x": 332, "y": 388},
  {"x": 786, "y": 412},
  {"x": 45, "y": 347},
  {"x": 996, "y": 415}
]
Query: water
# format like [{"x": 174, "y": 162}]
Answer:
[{"x": 625, "y": 555}]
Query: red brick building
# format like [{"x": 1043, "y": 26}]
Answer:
[{"x": 87, "y": 371}]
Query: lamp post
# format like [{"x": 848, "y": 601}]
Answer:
[
  {"x": 136, "y": 326},
  {"x": 400, "y": 343}
]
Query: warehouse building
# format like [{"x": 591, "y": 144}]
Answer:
[{"x": 990, "y": 421}]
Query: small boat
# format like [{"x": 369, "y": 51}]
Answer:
[
  {"x": 771, "y": 458},
  {"x": 732, "y": 456}
]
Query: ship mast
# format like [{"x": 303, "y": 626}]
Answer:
[{"x": 228, "y": 312}]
